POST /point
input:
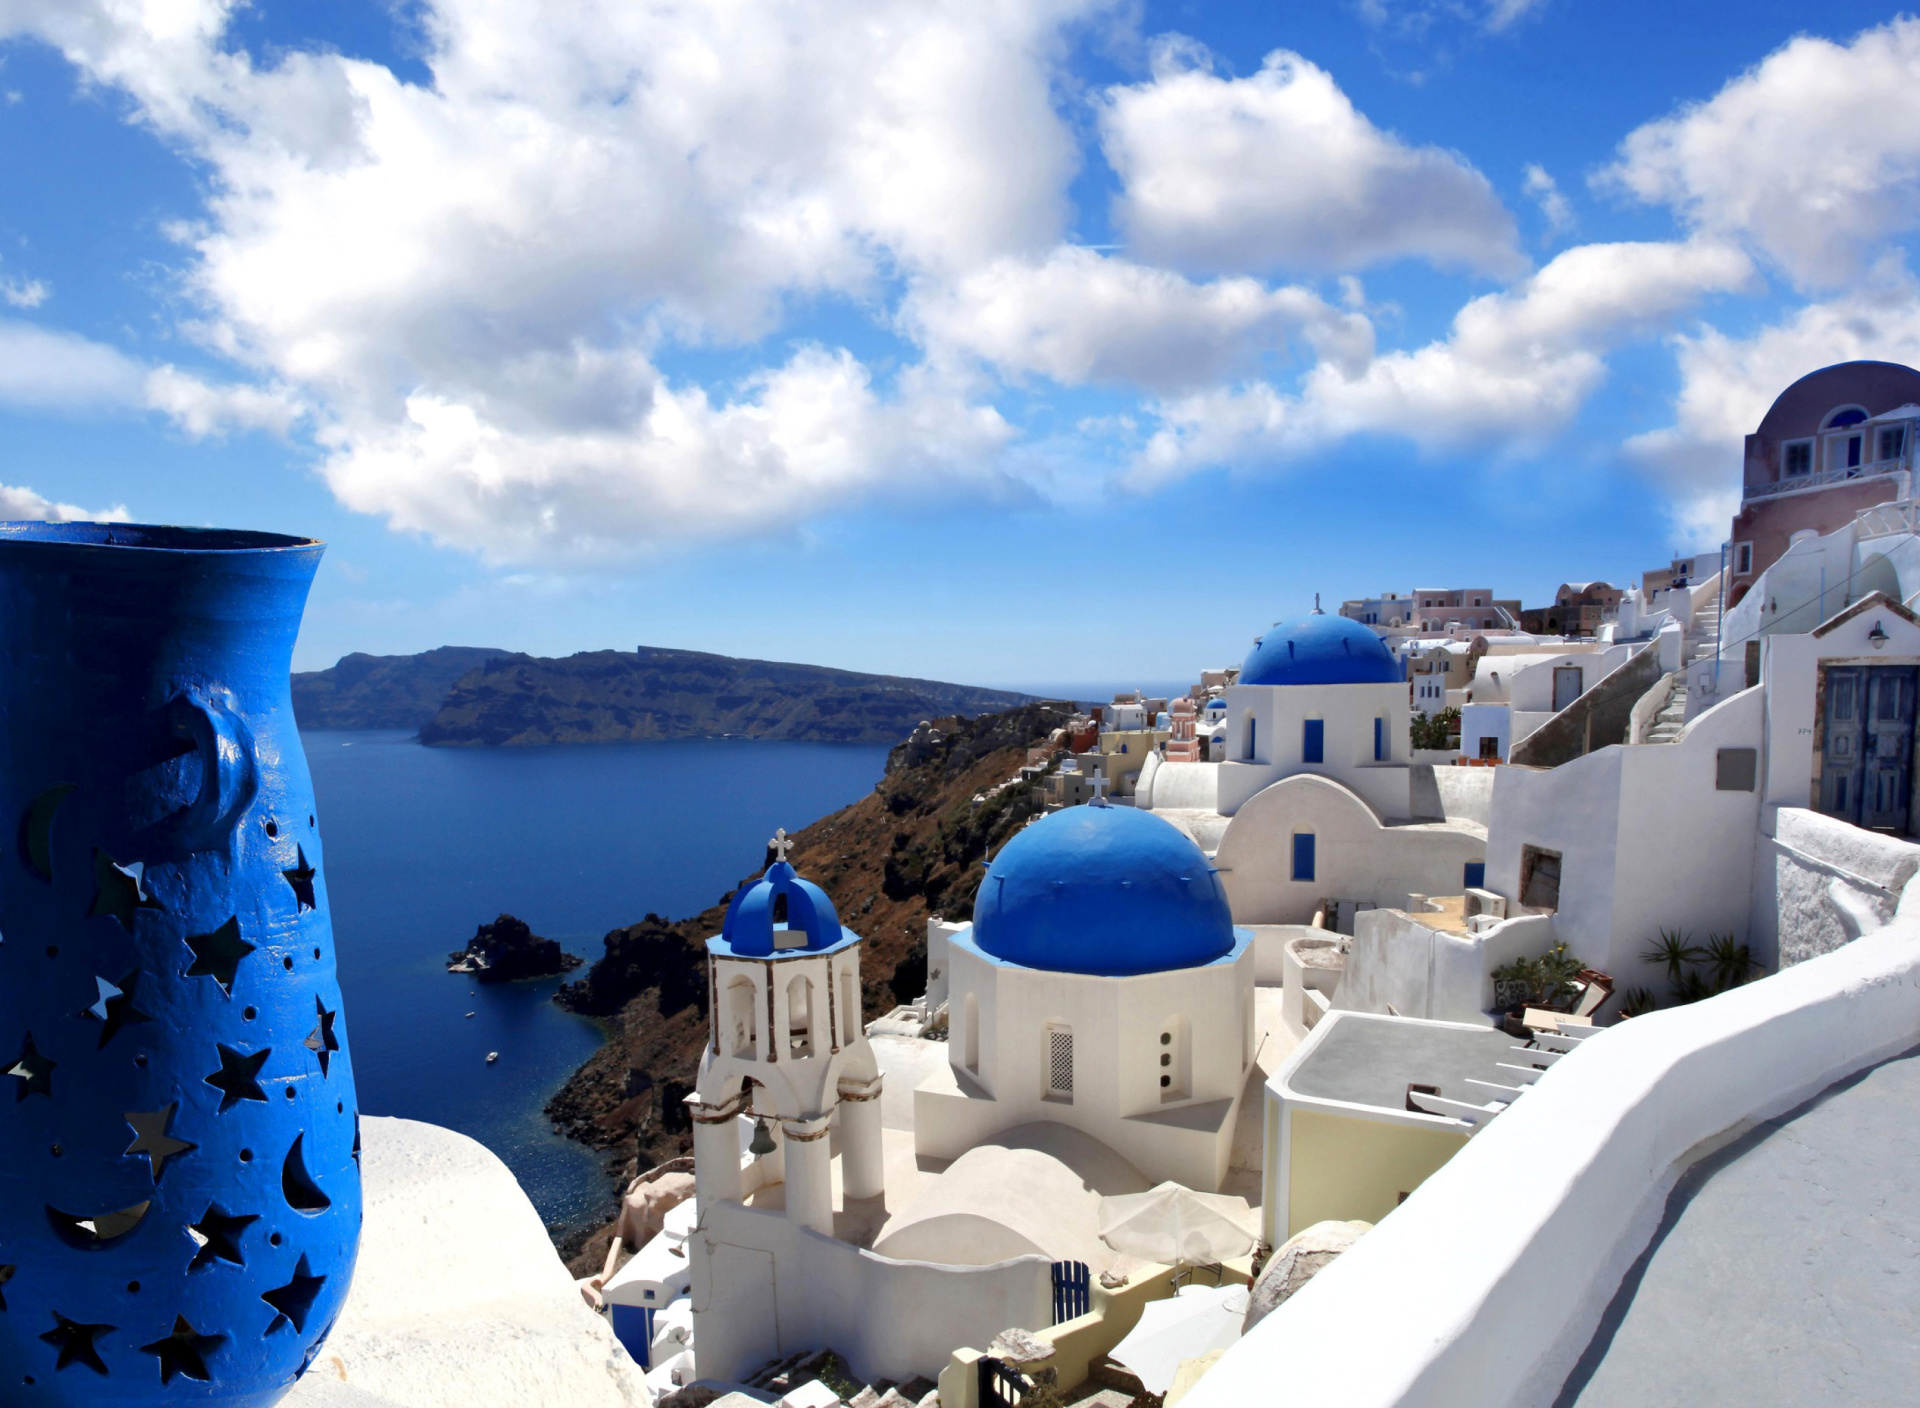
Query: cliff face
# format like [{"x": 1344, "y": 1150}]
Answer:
[
  {"x": 912, "y": 848},
  {"x": 610, "y": 696},
  {"x": 382, "y": 691}
]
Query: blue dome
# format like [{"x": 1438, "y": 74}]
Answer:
[
  {"x": 1320, "y": 650},
  {"x": 1104, "y": 890},
  {"x": 779, "y": 898}
]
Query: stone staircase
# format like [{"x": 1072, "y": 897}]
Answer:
[
  {"x": 1671, "y": 718},
  {"x": 1706, "y": 631}
]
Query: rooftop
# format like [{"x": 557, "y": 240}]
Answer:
[{"x": 1364, "y": 1059}]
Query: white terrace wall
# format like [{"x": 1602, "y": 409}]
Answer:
[
  {"x": 1646, "y": 840},
  {"x": 1484, "y": 1286},
  {"x": 1355, "y": 857},
  {"x": 1819, "y": 883},
  {"x": 1400, "y": 963},
  {"x": 764, "y": 1287}
]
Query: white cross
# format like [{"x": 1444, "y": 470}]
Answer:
[
  {"x": 780, "y": 844},
  {"x": 1100, "y": 785}
]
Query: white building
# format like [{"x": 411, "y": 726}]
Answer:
[
  {"x": 1318, "y": 803},
  {"x": 1102, "y": 985}
]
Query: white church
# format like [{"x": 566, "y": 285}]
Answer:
[
  {"x": 1103, "y": 1030},
  {"x": 1319, "y": 802}
]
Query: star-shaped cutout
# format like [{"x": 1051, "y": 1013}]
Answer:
[
  {"x": 6, "y": 1275},
  {"x": 239, "y": 1076},
  {"x": 184, "y": 1351},
  {"x": 217, "y": 955},
  {"x": 151, "y": 1138},
  {"x": 115, "y": 1008},
  {"x": 321, "y": 1041},
  {"x": 218, "y": 1234},
  {"x": 301, "y": 878},
  {"x": 33, "y": 1071},
  {"x": 295, "y": 1299},
  {"x": 75, "y": 1342},
  {"x": 117, "y": 890}
]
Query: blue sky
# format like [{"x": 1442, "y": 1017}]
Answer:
[{"x": 1046, "y": 343}]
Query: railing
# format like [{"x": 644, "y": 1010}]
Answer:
[
  {"x": 1824, "y": 477},
  {"x": 1902, "y": 516}
]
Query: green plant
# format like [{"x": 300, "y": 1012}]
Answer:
[
  {"x": 1696, "y": 971},
  {"x": 1730, "y": 962},
  {"x": 1434, "y": 730},
  {"x": 1546, "y": 981},
  {"x": 1677, "y": 952},
  {"x": 1636, "y": 1002}
]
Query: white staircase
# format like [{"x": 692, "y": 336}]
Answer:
[
  {"x": 1671, "y": 718},
  {"x": 1706, "y": 630}
]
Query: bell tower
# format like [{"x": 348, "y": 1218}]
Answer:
[{"x": 786, "y": 1044}]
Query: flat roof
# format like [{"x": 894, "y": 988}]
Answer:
[{"x": 1364, "y": 1059}]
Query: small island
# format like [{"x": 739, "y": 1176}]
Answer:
[{"x": 506, "y": 951}]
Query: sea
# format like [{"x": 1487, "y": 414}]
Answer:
[{"x": 425, "y": 844}]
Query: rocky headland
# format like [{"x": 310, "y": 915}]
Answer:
[
  {"x": 383, "y": 691},
  {"x": 910, "y": 849},
  {"x": 507, "y": 950},
  {"x": 614, "y": 696}
]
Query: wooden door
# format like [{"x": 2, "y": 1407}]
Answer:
[
  {"x": 1887, "y": 759},
  {"x": 1843, "y": 743}
]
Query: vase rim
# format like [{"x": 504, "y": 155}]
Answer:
[{"x": 152, "y": 537}]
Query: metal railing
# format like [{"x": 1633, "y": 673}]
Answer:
[
  {"x": 1878, "y": 520},
  {"x": 1824, "y": 477}
]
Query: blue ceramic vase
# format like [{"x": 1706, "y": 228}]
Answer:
[{"x": 179, "y": 1158}]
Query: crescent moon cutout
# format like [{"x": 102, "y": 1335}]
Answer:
[{"x": 36, "y": 830}]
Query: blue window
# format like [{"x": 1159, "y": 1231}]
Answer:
[
  {"x": 1379, "y": 740},
  {"x": 1303, "y": 855},
  {"x": 1313, "y": 745},
  {"x": 1476, "y": 875}
]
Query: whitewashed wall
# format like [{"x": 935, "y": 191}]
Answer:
[
  {"x": 764, "y": 1287},
  {"x": 1278, "y": 714},
  {"x": 1486, "y": 1284},
  {"x": 1646, "y": 840},
  {"x": 1401, "y": 964},
  {"x": 1355, "y": 856}
]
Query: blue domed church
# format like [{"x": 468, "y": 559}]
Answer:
[
  {"x": 1103, "y": 986},
  {"x": 1317, "y": 807}
]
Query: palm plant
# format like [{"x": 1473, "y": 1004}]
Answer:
[
  {"x": 1730, "y": 962},
  {"x": 1676, "y": 952},
  {"x": 1637, "y": 1002}
]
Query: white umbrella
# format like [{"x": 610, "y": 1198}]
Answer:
[
  {"x": 1172, "y": 1224},
  {"x": 1196, "y": 1321}
]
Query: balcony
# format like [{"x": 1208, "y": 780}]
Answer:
[{"x": 1825, "y": 477}]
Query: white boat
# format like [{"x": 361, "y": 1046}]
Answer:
[{"x": 492, "y": 1056}]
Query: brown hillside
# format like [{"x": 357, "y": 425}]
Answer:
[{"x": 913, "y": 847}]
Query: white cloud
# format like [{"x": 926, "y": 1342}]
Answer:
[
  {"x": 1279, "y": 171},
  {"x": 807, "y": 436},
  {"x": 1727, "y": 384},
  {"x": 202, "y": 409},
  {"x": 23, "y": 293},
  {"x": 1516, "y": 368},
  {"x": 1555, "y": 208},
  {"x": 1079, "y": 317},
  {"x": 62, "y": 371},
  {"x": 469, "y": 283},
  {"x": 1417, "y": 17},
  {"x": 19, "y": 504},
  {"x": 1813, "y": 155}
]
